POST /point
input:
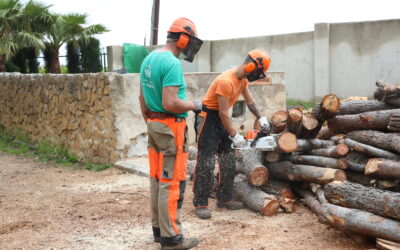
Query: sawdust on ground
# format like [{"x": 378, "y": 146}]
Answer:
[{"x": 43, "y": 206}]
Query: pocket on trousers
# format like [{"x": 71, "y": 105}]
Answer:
[{"x": 168, "y": 170}]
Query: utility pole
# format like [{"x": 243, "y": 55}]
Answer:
[{"x": 154, "y": 22}]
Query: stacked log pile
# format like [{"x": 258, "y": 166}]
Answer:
[{"x": 346, "y": 166}]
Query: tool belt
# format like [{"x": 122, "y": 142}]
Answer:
[{"x": 160, "y": 115}]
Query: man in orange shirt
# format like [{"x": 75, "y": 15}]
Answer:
[{"x": 216, "y": 132}]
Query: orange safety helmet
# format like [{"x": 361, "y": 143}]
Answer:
[
  {"x": 187, "y": 29},
  {"x": 261, "y": 61}
]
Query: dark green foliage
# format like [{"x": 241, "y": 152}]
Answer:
[
  {"x": 47, "y": 58},
  {"x": 33, "y": 63},
  {"x": 90, "y": 55},
  {"x": 11, "y": 67},
  {"x": 20, "y": 61},
  {"x": 26, "y": 60},
  {"x": 73, "y": 61}
]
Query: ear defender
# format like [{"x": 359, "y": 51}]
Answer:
[
  {"x": 183, "y": 41},
  {"x": 249, "y": 67}
]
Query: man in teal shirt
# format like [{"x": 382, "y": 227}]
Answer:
[{"x": 164, "y": 108}]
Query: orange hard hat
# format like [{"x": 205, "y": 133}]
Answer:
[
  {"x": 263, "y": 60},
  {"x": 183, "y": 25}
]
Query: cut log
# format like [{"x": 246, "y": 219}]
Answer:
[
  {"x": 336, "y": 151},
  {"x": 272, "y": 156},
  {"x": 374, "y": 120},
  {"x": 370, "y": 181},
  {"x": 387, "y": 93},
  {"x": 285, "y": 170},
  {"x": 309, "y": 126},
  {"x": 357, "y": 161},
  {"x": 328, "y": 108},
  {"x": 309, "y": 144},
  {"x": 254, "y": 198},
  {"x": 383, "y": 169},
  {"x": 353, "y": 195},
  {"x": 287, "y": 205},
  {"x": 388, "y": 141},
  {"x": 287, "y": 142},
  {"x": 281, "y": 188},
  {"x": 279, "y": 121},
  {"x": 315, "y": 160},
  {"x": 387, "y": 244},
  {"x": 311, "y": 201},
  {"x": 394, "y": 124},
  {"x": 357, "y": 221},
  {"x": 256, "y": 174},
  {"x": 370, "y": 150},
  {"x": 294, "y": 121},
  {"x": 357, "y": 106},
  {"x": 324, "y": 133}
]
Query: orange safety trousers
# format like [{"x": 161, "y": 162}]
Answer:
[{"x": 168, "y": 153}]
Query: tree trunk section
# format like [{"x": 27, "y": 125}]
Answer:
[
  {"x": 327, "y": 109},
  {"x": 362, "y": 222},
  {"x": 55, "y": 62},
  {"x": 357, "y": 161},
  {"x": 336, "y": 151},
  {"x": 254, "y": 198},
  {"x": 387, "y": 93},
  {"x": 310, "y": 126},
  {"x": 370, "y": 150},
  {"x": 281, "y": 188},
  {"x": 383, "y": 169},
  {"x": 310, "y": 144},
  {"x": 352, "y": 195},
  {"x": 374, "y": 120},
  {"x": 387, "y": 244},
  {"x": 285, "y": 170},
  {"x": 394, "y": 124},
  {"x": 324, "y": 133},
  {"x": 256, "y": 174},
  {"x": 314, "y": 160},
  {"x": 370, "y": 181},
  {"x": 315, "y": 206},
  {"x": 388, "y": 141},
  {"x": 357, "y": 107},
  {"x": 294, "y": 121},
  {"x": 279, "y": 121},
  {"x": 272, "y": 156},
  {"x": 287, "y": 142}
]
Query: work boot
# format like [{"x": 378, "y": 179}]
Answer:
[
  {"x": 231, "y": 205},
  {"x": 187, "y": 243},
  {"x": 203, "y": 213}
]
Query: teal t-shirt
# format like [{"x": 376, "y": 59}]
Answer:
[{"x": 161, "y": 69}]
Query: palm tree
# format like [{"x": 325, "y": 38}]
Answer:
[
  {"x": 67, "y": 28},
  {"x": 19, "y": 27}
]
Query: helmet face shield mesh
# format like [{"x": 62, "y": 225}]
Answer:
[
  {"x": 192, "y": 48},
  {"x": 255, "y": 75}
]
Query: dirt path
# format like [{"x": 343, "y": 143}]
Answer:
[{"x": 48, "y": 207}]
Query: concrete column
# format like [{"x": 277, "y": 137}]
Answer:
[
  {"x": 322, "y": 84},
  {"x": 204, "y": 57},
  {"x": 114, "y": 58}
]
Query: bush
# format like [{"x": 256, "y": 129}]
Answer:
[
  {"x": 73, "y": 61},
  {"x": 11, "y": 67},
  {"x": 90, "y": 55}
]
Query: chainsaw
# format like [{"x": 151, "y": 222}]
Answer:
[{"x": 263, "y": 141}]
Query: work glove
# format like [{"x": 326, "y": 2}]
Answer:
[
  {"x": 238, "y": 141},
  {"x": 264, "y": 122},
  {"x": 197, "y": 105}
]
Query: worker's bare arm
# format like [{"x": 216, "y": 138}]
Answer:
[
  {"x": 223, "y": 104},
  {"x": 172, "y": 103},
  {"x": 251, "y": 104}
]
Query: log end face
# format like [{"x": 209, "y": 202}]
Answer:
[
  {"x": 259, "y": 176},
  {"x": 287, "y": 142},
  {"x": 372, "y": 166},
  {"x": 340, "y": 175},
  {"x": 342, "y": 149},
  {"x": 270, "y": 207},
  {"x": 342, "y": 164}
]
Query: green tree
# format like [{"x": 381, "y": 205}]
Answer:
[
  {"x": 66, "y": 28},
  {"x": 73, "y": 59},
  {"x": 91, "y": 56},
  {"x": 20, "y": 27}
]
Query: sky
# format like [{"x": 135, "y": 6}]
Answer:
[{"x": 129, "y": 20}]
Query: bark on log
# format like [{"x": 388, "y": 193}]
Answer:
[
  {"x": 328, "y": 108},
  {"x": 315, "y": 160},
  {"x": 337, "y": 151},
  {"x": 370, "y": 150},
  {"x": 272, "y": 156},
  {"x": 309, "y": 144},
  {"x": 387, "y": 93},
  {"x": 324, "y": 133},
  {"x": 394, "y": 124},
  {"x": 254, "y": 198},
  {"x": 287, "y": 142},
  {"x": 357, "y": 107},
  {"x": 362, "y": 222},
  {"x": 374, "y": 120},
  {"x": 370, "y": 181},
  {"x": 315, "y": 206},
  {"x": 287, "y": 205},
  {"x": 353, "y": 195},
  {"x": 285, "y": 170},
  {"x": 256, "y": 173},
  {"x": 294, "y": 121},
  {"x": 357, "y": 161},
  {"x": 383, "y": 169},
  {"x": 279, "y": 121},
  {"x": 281, "y": 188},
  {"x": 388, "y": 141},
  {"x": 310, "y": 126}
]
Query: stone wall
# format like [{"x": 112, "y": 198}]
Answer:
[{"x": 97, "y": 116}]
